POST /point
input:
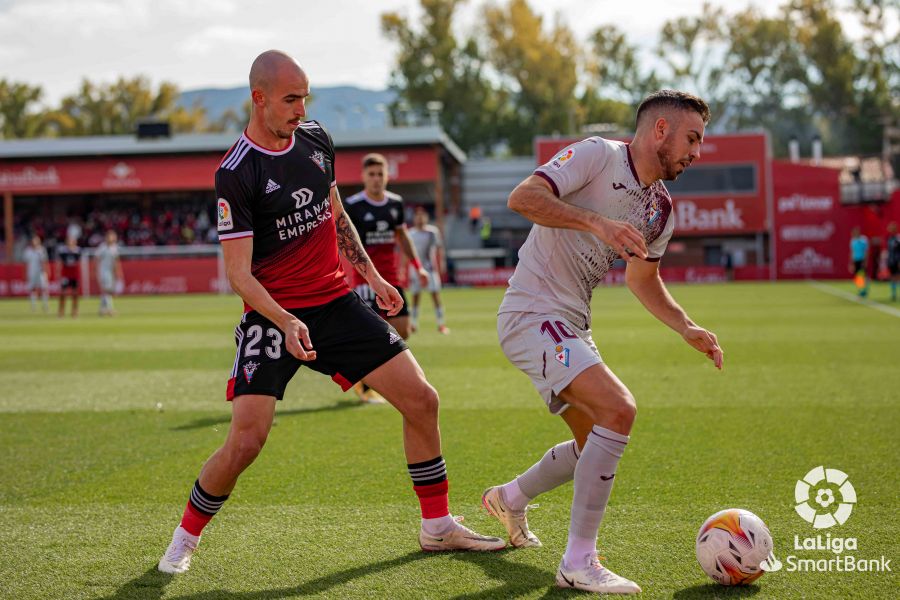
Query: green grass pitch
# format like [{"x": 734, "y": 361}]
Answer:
[{"x": 94, "y": 476}]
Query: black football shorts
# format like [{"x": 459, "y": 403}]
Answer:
[
  {"x": 350, "y": 341},
  {"x": 368, "y": 296}
]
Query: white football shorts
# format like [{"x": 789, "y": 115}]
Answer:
[
  {"x": 549, "y": 349},
  {"x": 434, "y": 282}
]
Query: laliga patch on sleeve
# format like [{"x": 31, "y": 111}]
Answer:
[
  {"x": 225, "y": 221},
  {"x": 560, "y": 160}
]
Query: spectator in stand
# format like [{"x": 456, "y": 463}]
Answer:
[{"x": 474, "y": 216}]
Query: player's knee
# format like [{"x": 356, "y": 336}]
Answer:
[
  {"x": 423, "y": 405},
  {"x": 246, "y": 448},
  {"x": 625, "y": 409}
]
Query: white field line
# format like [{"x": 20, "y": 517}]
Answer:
[{"x": 828, "y": 289}]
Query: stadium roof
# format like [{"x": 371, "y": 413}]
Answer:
[{"x": 114, "y": 145}]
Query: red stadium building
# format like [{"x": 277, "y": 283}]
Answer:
[{"x": 144, "y": 181}]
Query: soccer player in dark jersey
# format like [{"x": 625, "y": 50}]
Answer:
[
  {"x": 68, "y": 259},
  {"x": 281, "y": 223},
  {"x": 892, "y": 245},
  {"x": 377, "y": 215}
]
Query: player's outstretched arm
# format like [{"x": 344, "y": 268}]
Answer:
[
  {"x": 535, "y": 200},
  {"x": 238, "y": 254},
  {"x": 350, "y": 246},
  {"x": 642, "y": 278}
]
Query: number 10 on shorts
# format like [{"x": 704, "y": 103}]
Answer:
[{"x": 558, "y": 331}]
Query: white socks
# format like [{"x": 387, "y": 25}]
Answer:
[
  {"x": 555, "y": 468},
  {"x": 594, "y": 476},
  {"x": 438, "y": 526}
]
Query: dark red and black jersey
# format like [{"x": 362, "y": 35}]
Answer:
[
  {"x": 377, "y": 224},
  {"x": 282, "y": 199},
  {"x": 70, "y": 259}
]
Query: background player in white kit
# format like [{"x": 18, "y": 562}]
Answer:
[
  {"x": 37, "y": 265},
  {"x": 596, "y": 200},
  {"x": 430, "y": 248},
  {"x": 109, "y": 271}
]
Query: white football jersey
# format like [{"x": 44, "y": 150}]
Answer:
[{"x": 559, "y": 268}]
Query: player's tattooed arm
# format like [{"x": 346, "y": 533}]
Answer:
[{"x": 348, "y": 240}]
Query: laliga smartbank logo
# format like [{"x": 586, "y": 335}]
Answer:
[
  {"x": 825, "y": 498},
  {"x": 830, "y": 506}
]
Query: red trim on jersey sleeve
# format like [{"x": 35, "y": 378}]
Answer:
[{"x": 552, "y": 183}]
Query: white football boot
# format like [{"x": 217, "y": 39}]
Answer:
[
  {"x": 177, "y": 558},
  {"x": 594, "y": 577},
  {"x": 514, "y": 520},
  {"x": 459, "y": 537}
]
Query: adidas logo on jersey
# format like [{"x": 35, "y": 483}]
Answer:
[
  {"x": 369, "y": 217},
  {"x": 394, "y": 338},
  {"x": 272, "y": 186}
]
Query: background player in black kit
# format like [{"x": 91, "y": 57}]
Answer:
[
  {"x": 281, "y": 223},
  {"x": 378, "y": 217},
  {"x": 68, "y": 258}
]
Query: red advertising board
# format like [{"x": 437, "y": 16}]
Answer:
[
  {"x": 725, "y": 191},
  {"x": 405, "y": 165},
  {"x": 811, "y": 229},
  {"x": 179, "y": 173},
  {"x": 151, "y": 276}
]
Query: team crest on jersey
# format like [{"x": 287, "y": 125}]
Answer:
[
  {"x": 249, "y": 369},
  {"x": 318, "y": 157},
  {"x": 395, "y": 213},
  {"x": 560, "y": 160},
  {"x": 225, "y": 221},
  {"x": 562, "y": 355},
  {"x": 654, "y": 211}
]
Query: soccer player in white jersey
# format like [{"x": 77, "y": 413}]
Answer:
[
  {"x": 36, "y": 267},
  {"x": 593, "y": 202},
  {"x": 430, "y": 248},
  {"x": 109, "y": 271}
]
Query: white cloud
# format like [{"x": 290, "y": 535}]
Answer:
[{"x": 216, "y": 37}]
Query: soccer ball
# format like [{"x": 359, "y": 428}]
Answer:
[{"x": 731, "y": 545}]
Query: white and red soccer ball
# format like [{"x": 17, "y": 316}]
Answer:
[{"x": 731, "y": 545}]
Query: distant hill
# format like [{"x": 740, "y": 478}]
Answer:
[{"x": 338, "y": 108}]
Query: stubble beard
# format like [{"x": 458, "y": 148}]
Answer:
[{"x": 667, "y": 163}]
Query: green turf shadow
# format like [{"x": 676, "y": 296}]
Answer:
[
  {"x": 150, "y": 585},
  {"x": 714, "y": 590},
  {"x": 210, "y": 421}
]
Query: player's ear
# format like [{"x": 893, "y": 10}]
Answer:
[
  {"x": 661, "y": 128},
  {"x": 258, "y": 98}
]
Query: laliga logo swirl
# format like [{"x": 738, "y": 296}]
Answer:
[{"x": 818, "y": 512}]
